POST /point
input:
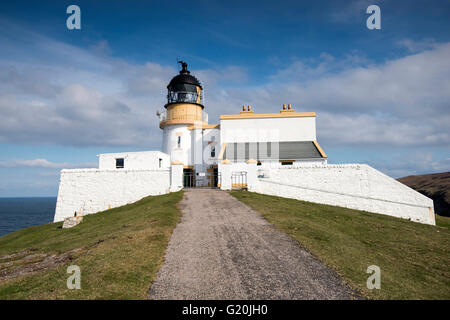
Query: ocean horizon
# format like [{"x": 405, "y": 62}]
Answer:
[{"x": 21, "y": 212}]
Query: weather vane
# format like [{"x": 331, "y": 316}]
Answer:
[{"x": 183, "y": 66}]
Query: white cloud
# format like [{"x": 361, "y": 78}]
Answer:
[
  {"x": 413, "y": 163},
  {"x": 44, "y": 163},
  {"x": 71, "y": 96},
  {"x": 417, "y": 46}
]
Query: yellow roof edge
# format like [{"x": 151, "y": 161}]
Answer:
[
  {"x": 222, "y": 150},
  {"x": 267, "y": 115},
  {"x": 204, "y": 126},
  {"x": 319, "y": 148}
]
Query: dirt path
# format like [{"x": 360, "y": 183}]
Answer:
[{"x": 222, "y": 249}]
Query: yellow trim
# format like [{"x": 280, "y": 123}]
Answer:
[
  {"x": 162, "y": 124},
  {"x": 268, "y": 115},
  {"x": 222, "y": 151},
  {"x": 199, "y": 94},
  {"x": 238, "y": 185},
  {"x": 188, "y": 167},
  {"x": 322, "y": 153},
  {"x": 176, "y": 162},
  {"x": 226, "y": 161},
  {"x": 204, "y": 126},
  {"x": 251, "y": 161},
  {"x": 283, "y": 161}
]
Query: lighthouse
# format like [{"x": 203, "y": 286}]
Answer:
[
  {"x": 187, "y": 137},
  {"x": 271, "y": 153}
]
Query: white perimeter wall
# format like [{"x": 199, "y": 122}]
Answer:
[
  {"x": 87, "y": 191},
  {"x": 356, "y": 186}
]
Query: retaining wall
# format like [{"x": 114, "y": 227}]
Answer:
[
  {"x": 87, "y": 191},
  {"x": 356, "y": 186}
]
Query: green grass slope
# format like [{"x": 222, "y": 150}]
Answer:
[
  {"x": 119, "y": 252},
  {"x": 414, "y": 258}
]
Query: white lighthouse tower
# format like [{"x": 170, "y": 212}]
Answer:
[{"x": 187, "y": 137}]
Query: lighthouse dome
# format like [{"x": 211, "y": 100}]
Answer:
[{"x": 184, "y": 88}]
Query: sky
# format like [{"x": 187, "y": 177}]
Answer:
[{"x": 382, "y": 97}]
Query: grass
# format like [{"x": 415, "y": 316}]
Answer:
[
  {"x": 123, "y": 249},
  {"x": 414, "y": 258}
]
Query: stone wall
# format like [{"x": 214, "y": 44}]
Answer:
[
  {"x": 87, "y": 191},
  {"x": 355, "y": 186}
]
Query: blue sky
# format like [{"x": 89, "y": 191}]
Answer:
[{"x": 382, "y": 97}]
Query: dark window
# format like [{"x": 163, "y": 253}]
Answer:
[
  {"x": 259, "y": 163},
  {"x": 179, "y": 142},
  {"x": 213, "y": 152},
  {"x": 287, "y": 163},
  {"x": 160, "y": 162},
  {"x": 120, "y": 162}
]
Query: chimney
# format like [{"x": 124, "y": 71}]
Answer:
[
  {"x": 289, "y": 108},
  {"x": 248, "y": 110}
]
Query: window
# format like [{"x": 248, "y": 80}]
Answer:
[
  {"x": 259, "y": 163},
  {"x": 160, "y": 162},
  {"x": 287, "y": 163},
  {"x": 120, "y": 162},
  {"x": 213, "y": 152},
  {"x": 179, "y": 142}
]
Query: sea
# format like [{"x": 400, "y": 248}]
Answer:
[{"x": 18, "y": 213}]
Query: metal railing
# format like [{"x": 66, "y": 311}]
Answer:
[
  {"x": 183, "y": 96},
  {"x": 239, "y": 180}
]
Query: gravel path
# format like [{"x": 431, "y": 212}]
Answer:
[{"x": 222, "y": 249}]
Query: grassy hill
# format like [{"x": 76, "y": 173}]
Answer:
[
  {"x": 119, "y": 252},
  {"x": 414, "y": 258},
  {"x": 435, "y": 186}
]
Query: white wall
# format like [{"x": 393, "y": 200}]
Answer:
[
  {"x": 89, "y": 191},
  {"x": 146, "y": 160},
  {"x": 356, "y": 186},
  {"x": 170, "y": 143},
  {"x": 208, "y": 136},
  {"x": 268, "y": 129},
  {"x": 268, "y": 165}
]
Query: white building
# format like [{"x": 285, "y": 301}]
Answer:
[{"x": 272, "y": 153}]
